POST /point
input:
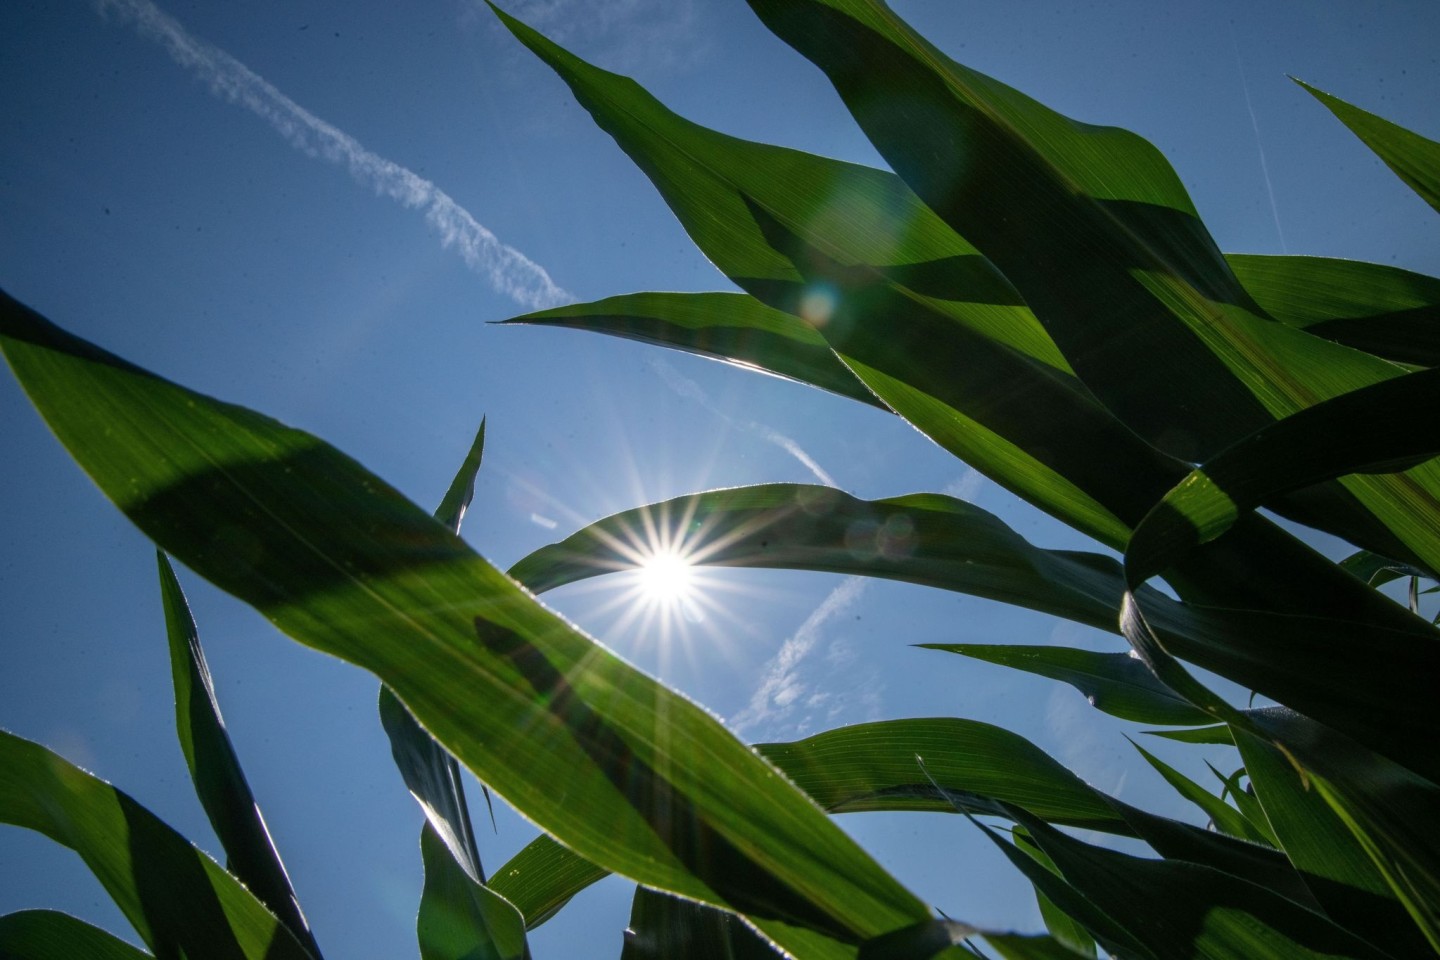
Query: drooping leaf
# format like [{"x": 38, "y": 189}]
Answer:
[
  {"x": 1378, "y": 689},
  {"x": 1180, "y": 909},
  {"x": 215, "y": 769},
  {"x": 459, "y": 918},
  {"x": 50, "y": 935},
  {"x": 1333, "y": 863},
  {"x": 1114, "y": 683},
  {"x": 1387, "y": 311},
  {"x": 1218, "y": 735},
  {"x": 178, "y": 899},
  {"x": 653, "y": 787},
  {"x": 542, "y": 878},
  {"x": 733, "y": 327},
  {"x": 930, "y": 539},
  {"x": 1096, "y": 232},
  {"x": 1415, "y": 159},
  {"x": 663, "y": 927},
  {"x": 872, "y": 766},
  {"x": 904, "y": 301},
  {"x": 1226, "y": 818}
]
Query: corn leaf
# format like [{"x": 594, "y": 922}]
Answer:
[
  {"x": 1226, "y": 818},
  {"x": 1383, "y": 310},
  {"x": 930, "y": 539},
  {"x": 1332, "y": 862},
  {"x": 663, "y": 927},
  {"x": 731, "y": 327},
  {"x": 177, "y": 898},
  {"x": 215, "y": 769},
  {"x": 429, "y": 771},
  {"x": 1415, "y": 159},
  {"x": 1114, "y": 683},
  {"x": 542, "y": 878},
  {"x": 459, "y": 918},
  {"x": 50, "y": 935},
  {"x": 629, "y": 774},
  {"x": 1179, "y": 909},
  {"x": 1095, "y": 230},
  {"x": 1060, "y": 924}
]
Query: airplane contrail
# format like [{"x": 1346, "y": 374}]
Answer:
[{"x": 509, "y": 271}]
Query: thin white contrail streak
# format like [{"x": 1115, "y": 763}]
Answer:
[
  {"x": 1255, "y": 125},
  {"x": 688, "y": 388},
  {"x": 509, "y": 271}
]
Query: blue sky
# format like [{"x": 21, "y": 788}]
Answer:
[{"x": 314, "y": 208}]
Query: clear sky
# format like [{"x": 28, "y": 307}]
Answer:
[{"x": 314, "y": 208}]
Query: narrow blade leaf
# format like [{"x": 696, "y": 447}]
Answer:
[
  {"x": 1415, "y": 159},
  {"x": 50, "y": 935},
  {"x": 215, "y": 769},
  {"x": 1114, "y": 683},
  {"x": 179, "y": 900}
]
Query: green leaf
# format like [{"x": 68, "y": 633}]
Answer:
[
  {"x": 49, "y": 935},
  {"x": 429, "y": 771},
  {"x": 909, "y": 306},
  {"x": 625, "y": 772},
  {"x": 1096, "y": 232},
  {"x": 1061, "y": 925},
  {"x": 1114, "y": 683},
  {"x": 663, "y": 927},
  {"x": 731, "y": 327},
  {"x": 872, "y": 766},
  {"x": 929, "y": 539},
  {"x": 1389, "y": 810},
  {"x": 459, "y": 918},
  {"x": 1015, "y": 946},
  {"x": 1332, "y": 862},
  {"x": 1372, "y": 682},
  {"x": 542, "y": 878},
  {"x": 1226, "y": 818},
  {"x": 1414, "y": 159},
  {"x": 1218, "y": 735},
  {"x": 1383, "y": 310},
  {"x": 1179, "y": 909},
  {"x": 215, "y": 769},
  {"x": 1245, "y": 802},
  {"x": 178, "y": 899}
]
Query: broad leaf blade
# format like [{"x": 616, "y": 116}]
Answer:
[
  {"x": 930, "y": 539},
  {"x": 459, "y": 918},
  {"x": 733, "y": 327},
  {"x": 1415, "y": 159},
  {"x": 1333, "y": 863},
  {"x": 542, "y": 878},
  {"x": 1114, "y": 683},
  {"x": 872, "y": 766},
  {"x": 663, "y": 927},
  {"x": 1095, "y": 230},
  {"x": 177, "y": 898},
  {"x": 215, "y": 769},
  {"x": 1383, "y": 310},
  {"x": 339, "y": 560},
  {"x": 49, "y": 935},
  {"x": 1181, "y": 909}
]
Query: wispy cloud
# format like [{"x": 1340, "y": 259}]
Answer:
[
  {"x": 787, "y": 698},
  {"x": 508, "y": 270},
  {"x": 691, "y": 390}
]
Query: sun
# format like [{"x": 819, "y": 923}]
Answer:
[{"x": 667, "y": 577}]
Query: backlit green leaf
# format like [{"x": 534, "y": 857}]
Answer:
[
  {"x": 215, "y": 770},
  {"x": 459, "y": 918},
  {"x": 49, "y": 935},
  {"x": 179, "y": 900}
]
